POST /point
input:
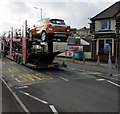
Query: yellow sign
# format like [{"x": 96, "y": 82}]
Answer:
[{"x": 51, "y": 66}]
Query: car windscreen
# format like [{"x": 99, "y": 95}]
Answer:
[{"x": 56, "y": 21}]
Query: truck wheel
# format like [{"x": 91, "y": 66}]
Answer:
[
  {"x": 18, "y": 60},
  {"x": 3, "y": 54},
  {"x": 43, "y": 36},
  {"x": 15, "y": 57},
  {"x": 21, "y": 60}
]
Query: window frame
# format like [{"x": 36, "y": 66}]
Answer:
[{"x": 105, "y": 24}]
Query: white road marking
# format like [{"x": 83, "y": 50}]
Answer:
[
  {"x": 100, "y": 79},
  {"x": 53, "y": 109},
  {"x": 21, "y": 87},
  {"x": 51, "y": 106},
  {"x": 80, "y": 70},
  {"x": 72, "y": 68},
  {"x": 95, "y": 73},
  {"x": 113, "y": 83},
  {"x": 65, "y": 79},
  {"x": 116, "y": 74},
  {"x": 34, "y": 97},
  {"x": 16, "y": 97}
]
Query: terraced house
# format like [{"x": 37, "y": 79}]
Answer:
[{"x": 105, "y": 27}]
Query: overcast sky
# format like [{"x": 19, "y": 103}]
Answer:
[{"x": 76, "y": 13}]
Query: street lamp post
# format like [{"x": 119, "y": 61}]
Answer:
[{"x": 40, "y": 10}]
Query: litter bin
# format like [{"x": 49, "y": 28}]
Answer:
[{"x": 78, "y": 55}]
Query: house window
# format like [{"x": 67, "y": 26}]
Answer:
[{"x": 105, "y": 24}]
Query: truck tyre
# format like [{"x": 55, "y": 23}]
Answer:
[
  {"x": 18, "y": 59},
  {"x": 3, "y": 54},
  {"x": 21, "y": 60},
  {"x": 43, "y": 36},
  {"x": 14, "y": 57}
]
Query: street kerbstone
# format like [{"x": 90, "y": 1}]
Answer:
[{"x": 91, "y": 63}]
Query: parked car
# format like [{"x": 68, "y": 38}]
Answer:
[{"x": 50, "y": 29}]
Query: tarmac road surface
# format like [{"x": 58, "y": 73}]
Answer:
[{"x": 60, "y": 90}]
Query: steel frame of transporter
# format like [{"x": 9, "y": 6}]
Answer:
[{"x": 30, "y": 52}]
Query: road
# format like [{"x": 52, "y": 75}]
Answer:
[
  {"x": 9, "y": 103},
  {"x": 71, "y": 89}
]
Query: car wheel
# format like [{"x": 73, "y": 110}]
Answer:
[{"x": 43, "y": 36}]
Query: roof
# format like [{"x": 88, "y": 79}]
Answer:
[{"x": 110, "y": 12}]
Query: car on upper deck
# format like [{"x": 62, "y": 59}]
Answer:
[{"x": 50, "y": 29}]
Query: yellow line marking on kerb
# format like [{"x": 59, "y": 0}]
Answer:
[{"x": 64, "y": 79}]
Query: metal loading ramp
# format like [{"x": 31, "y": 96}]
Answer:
[{"x": 42, "y": 57}]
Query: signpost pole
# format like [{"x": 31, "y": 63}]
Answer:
[
  {"x": 109, "y": 63},
  {"x": 107, "y": 50}
]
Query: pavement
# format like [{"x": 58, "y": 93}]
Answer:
[{"x": 115, "y": 71}]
